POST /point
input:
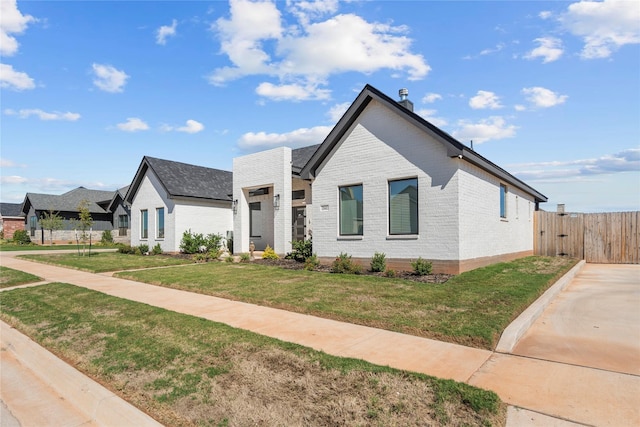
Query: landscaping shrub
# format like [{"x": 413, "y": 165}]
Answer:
[
  {"x": 311, "y": 263},
  {"x": 126, "y": 249},
  {"x": 230, "y": 258},
  {"x": 144, "y": 249},
  {"x": 21, "y": 237},
  {"x": 343, "y": 264},
  {"x": 107, "y": 237},
  {"x": 193, "y": 243},
  {"x": 300, "y": 250},
  {"x": 157, "y": 250},
  {"x": 378, "y": 262},
  {"x": 390, "y": 272},
  {"x": 269, "y": 253},
  {"x": 245, "y": 257},
  {"x": 421, "y": 267}
]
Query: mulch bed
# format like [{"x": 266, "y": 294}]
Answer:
[{"x": 290, "y": 264}]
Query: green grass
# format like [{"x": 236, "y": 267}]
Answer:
[
  {"x": 99, "y": 262},
  {"x": 185, "y": 370},
  {"x": 10, "y": 277},
  {"x": 9, "y": 247},
  {"x": 471, "y": 309}
]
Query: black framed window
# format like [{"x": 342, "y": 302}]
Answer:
[
  {"x": 351, "y": 210},
  {"x": 403, "y": 206},
  {"x": 255, "y": 219}
]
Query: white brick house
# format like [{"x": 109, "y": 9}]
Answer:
[
  {"x": 168, "y": 198},
  {"x": 385, "y": 180}
]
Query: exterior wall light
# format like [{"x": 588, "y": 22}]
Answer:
[
  {"x": 276, "y": 201},
  {"x": 235, "y": 206}
]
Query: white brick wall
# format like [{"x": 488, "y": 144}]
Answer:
[
  {"x": 363, "y": 157},
  {"x": 180, "y": 215},
  {"x": 271, "y": 168},
  {"x": 459, "y": 216}
]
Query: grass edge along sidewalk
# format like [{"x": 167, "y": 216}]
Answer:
[
  {"x": 10, "y": 277},
  {"x": 471, "y": 309},
  {"x": 184, "y": 370}
]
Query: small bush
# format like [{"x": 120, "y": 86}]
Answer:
[
  {"x": 378, "y": 262},
  {"x": 126, "y": 249},
  {"x": 214, "y": 253},
  {"x": 193, "y": 243},
  {"x": 21, "y": 237},
  {"x": 269, "y": 253},
  {"x": 107, "y": 237},
  {"x": 201, "y": 257},
  {"x": 421, "y": 267},
  {"x": 245, "y": 257},
  {"x": 157, "y": 250},
  {"x": 390, "y": 272},
  {"x": 300, "y": 250},
  {"x": 311, "y": 263},
  {"x": 230, "y": 259},
  {"x": 343, "y": 264},
  {"x": 144, "y": 249}
]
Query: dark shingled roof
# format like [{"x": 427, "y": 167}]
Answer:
[
  {"x": 10, "y": 209},
  {"x": 185, "y": 180},
  {"x": 300, "y": 157},
  {"x": 69, "y": 201}
]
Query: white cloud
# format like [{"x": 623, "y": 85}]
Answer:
[
  {"x": 191, "y": 126},
  {"x": 303, "y": 56},
  {"x": 624, "y": 161},
  {"x": 43, "y": 115},
  {"x": 488, "y": 51},
  {"x": 485, "y": 100},
  {"x": 430, "y": 116},
  {"x": 166, "y": 31},
  {"x": 293, "y": 92},
  {"x": 549, "y": 49},
  {"x": 6, "y": 163},
  {"x": 545, "y": 14},
  {"x": 11, "y": 22},
  {"x": 603, "y": 26},
  {"x": 297, "y": 138},
  {"x": 13, "y": 179},
  {"x": 336, "y": 112},
  {"x": 541, "y": 97},
  {"x": 488, "y": 129},
  {"x": 133, "y": 124},
  {"x": 431, "y": 97},
  {"x": 108, "y": 78},
  {"x": 16, "y": 80}
]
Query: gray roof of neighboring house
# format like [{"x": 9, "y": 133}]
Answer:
[
  {"x": 300, "y": 157},
  {"x": 11, "y": 209},
  {"x": 69, "y": 201},
  {"x": 454, "y": 147},
  {"x": 184, "y": 180}
]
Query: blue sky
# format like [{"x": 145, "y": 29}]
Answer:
[{"x": 550, "y": 91}]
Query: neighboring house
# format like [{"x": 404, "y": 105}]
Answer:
[
  {"x": 11, "y": 219},
  {"x": 102, "y": 205},
  {"x": 168, "y": 198},
  {"x": 385, "y": 180}
]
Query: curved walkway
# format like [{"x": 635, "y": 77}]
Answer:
[{"x": 580, "y": 394}]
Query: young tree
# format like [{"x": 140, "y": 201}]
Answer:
[
  {"x": 84, "y": 223},
  {"x": 51, "y": 221}
]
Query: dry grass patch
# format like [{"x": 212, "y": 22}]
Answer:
[{"x": 187, "y": 371}]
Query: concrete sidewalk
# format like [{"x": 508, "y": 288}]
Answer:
[{"x": 569, "y": 393}]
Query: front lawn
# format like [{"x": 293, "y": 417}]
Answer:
[
  {"x": 9, "y": 247},
  {"x": 99, "y": 262},
  {"x": 470, "y": 309},
  {"x": 187, "y": 371},
  {"x": 10, "y": 277}
]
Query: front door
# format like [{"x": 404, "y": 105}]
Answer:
[{"x": 299, "y": 223}]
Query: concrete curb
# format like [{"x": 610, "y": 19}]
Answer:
[
  {"x": 516, "y": 329},
  {"x": 100, "y": 405}
]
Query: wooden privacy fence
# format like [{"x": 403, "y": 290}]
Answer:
[{"x": 604, "y": 238}]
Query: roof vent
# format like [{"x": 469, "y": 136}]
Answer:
[{"x": 404, "y": 99}]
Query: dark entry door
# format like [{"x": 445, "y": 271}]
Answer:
[{"x": 299, "y": 223}]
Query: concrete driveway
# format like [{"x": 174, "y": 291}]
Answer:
[{"x": 594, "y": 322}]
